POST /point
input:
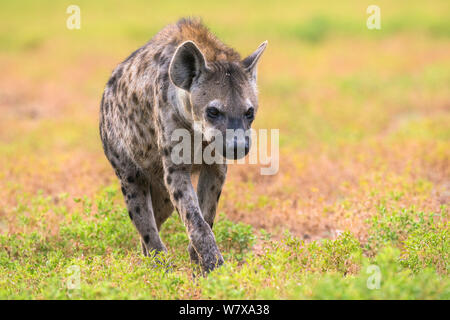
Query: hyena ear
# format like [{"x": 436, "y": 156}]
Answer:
[
  {"x": 251, "y": 61},
  {"x": 187, "y": 63}
]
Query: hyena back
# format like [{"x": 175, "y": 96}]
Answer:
[{"x": 183, "y": 75}]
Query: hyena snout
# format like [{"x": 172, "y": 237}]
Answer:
[
  {"x": 236, "y": 147},
  {"x": 237, "y": 140}
]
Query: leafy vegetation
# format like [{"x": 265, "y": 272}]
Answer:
[{"x": 97, "y": 239}]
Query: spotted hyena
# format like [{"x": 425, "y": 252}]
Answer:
[{"x": 183, "y": 76}]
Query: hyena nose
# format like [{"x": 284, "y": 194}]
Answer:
[
  {"x": 241, "y": 145},
  {"x": 237, "y": 148}
]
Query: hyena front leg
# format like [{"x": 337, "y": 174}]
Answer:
[
  {"x": 209, "y": 188},
  {"x": 136, "y": 191},
  {"x": 184, "y": 198}
]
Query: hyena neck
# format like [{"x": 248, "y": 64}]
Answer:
[{"x": 181, "y": 102}]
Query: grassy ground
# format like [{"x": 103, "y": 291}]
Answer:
[{"x": 364, "y": 182}]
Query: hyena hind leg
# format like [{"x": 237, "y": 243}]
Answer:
[
  {"x": 162, "y": 206},
  {"x": 137, "y": 194}
]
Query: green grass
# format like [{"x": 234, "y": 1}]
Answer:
[{"x": 97, "y": 239}]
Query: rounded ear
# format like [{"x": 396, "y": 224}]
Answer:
[
  {"x": 251, "y": 61},
  {"x": 187, "y": 63}
]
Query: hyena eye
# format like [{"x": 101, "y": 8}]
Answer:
[
  {"x": 212, "y": 112},
  {"x": 250, "y": 114}
]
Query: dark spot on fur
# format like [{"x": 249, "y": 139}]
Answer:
[
  {"x": 115, "y": 154},
  {"x": 168, "y": 180},
  {"x": 198, "y": 223},
  {"x": 112, "y": 83},
  {"x": 130, "y": 214},
  {"x": 174, "y": 117},
  {"x": 166, "y": 200},
  {"x": 130, "y": 179},
  {"x": 114, "y": 164},
  {"x": 123, "y": 191},
  {"x": 106, "y": 107},
  {"x": 140, "y": 132},
  {"x": 143, "y": 67},
  {"x": 218, "y": 196},
  {"x": 178, "y": 194},
  {"x": 163, "y": 61},
  {"x": 134, "y": 98},
  {"x": 138, "y": 210},
  {"x": 157, "y": 56},
  {"x": 165, "y": 77},
  {"x": 171, "y": 169},
  {"x": 147, "y": 238},
  {"x": 212, "y": 188},
  {"x": 164, "y": 93}
]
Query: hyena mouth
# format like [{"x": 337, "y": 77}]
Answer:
[{"x": 236, "y": 149}]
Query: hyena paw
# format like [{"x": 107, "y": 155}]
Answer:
[
  {"x": 155, "y": 251},
  {"x": 213, "y": 261},
  {"x": 208, "y": 261},
  {"x": 203, "y": 249}
]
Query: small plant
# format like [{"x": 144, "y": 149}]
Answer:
[
  {"x": 424, "y": 249},
  {"x": 394, "y": 227},
  {"x": 237, "y": 238}
]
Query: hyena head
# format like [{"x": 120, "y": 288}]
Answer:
[{"x": 222, "y": 96}]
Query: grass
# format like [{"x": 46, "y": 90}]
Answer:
[
  {"x": 408, "y": 248},
  {"x": 358, "y": 209}
]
